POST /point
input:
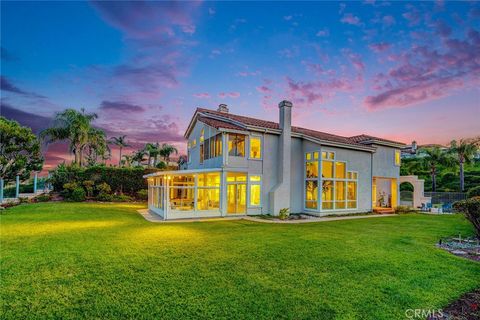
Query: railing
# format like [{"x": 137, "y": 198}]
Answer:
[
  {"x": 445, "y": 197},
  {"x": 17, "y": 189}
]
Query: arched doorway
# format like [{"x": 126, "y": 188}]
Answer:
[
  {"x": 415, "y": 186},
  {"x": 406, "y": 194}
]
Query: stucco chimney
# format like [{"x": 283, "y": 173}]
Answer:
[
  {"x": 280, "y": 194},
  {"x": 222, "y": 108}
]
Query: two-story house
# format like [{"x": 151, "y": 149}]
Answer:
[{"x": 239, "y": 165}]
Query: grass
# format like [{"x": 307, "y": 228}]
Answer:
[{"x": 90, "y": 260}]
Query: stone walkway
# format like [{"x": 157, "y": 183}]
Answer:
[{"x": 152, "y": 217}]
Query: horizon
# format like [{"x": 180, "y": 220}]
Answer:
[{"x": 400, "y": 71}]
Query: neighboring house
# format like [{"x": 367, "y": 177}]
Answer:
[
  {"x": 412, "y": 150},
  {"x": 239, "y": 165}
]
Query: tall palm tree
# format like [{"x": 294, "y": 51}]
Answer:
[
  {"x": 433, "y": 157},
  {"x": 73, "y": 126},
  {"x": 167, "y": 150},
  {"x": 464, "y": 151},
  {"x": 96, "y": 146},
  {"x": 153, "y": 150},
  {"x": 121, "y": 143},
  {"x": 138, "y": 157},
  {"x": 127, "y": 159}
]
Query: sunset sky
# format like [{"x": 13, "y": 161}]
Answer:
[{"x": 397, "y": 70}]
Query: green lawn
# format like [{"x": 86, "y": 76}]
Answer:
[{"x": 66, "y": 260}]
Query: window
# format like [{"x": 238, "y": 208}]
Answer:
[
  {"x": 311, "y": 194},
  {"x": 255, "y": 147},
  {"x": 311, "y": 169},
  {"x": 351, "y": 194},
  {"x": 194, "y": 143},
  {"x": 182, "y": 193},
  {"x": 327, "y": 194},
  {"x": 213, "y": 147},
  {"x": 397, "y": 158},
  {"x": 340, "y": 194},
  {"x": 311, "y": 180},
  {"x": 328, "y": 155},
  {"x": 340, "y": 172},
  {"x": 202, "y": 135},
  {"x": 208, "y": 191},
  {"x": 218, "y": 145},
  {"x": 236, "y": 145},
  {"x": 255, "y": 191},
  {"x": 206, "y": 149},
  {"x": 327, "y": 169},
  {"x": 201, "y": 153}
]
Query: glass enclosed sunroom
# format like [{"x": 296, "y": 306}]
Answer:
[{"x": 203, "y": 193}]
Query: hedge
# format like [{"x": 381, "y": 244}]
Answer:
[{"x": 121, "y": 180}]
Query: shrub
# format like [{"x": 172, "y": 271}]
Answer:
[
  {"x": 78, "y": 195},
  {"x": 284, "y": 213},
  {"x": 403, "y": 209},
  {"x": 161, "y": 165},
  {"x": 88, "y": 184},
  {"x": 104, "y": 188},
  {"x": 104, "y": 197},
  {"x": 121, "y": 198},
  {"x": 142, "y": 194},
  {"x": 43, "y": 198},
  {"x": 471, "y": 209},
  {"x": 23, "y": 200},
  {"x": 475, "y": 191}
]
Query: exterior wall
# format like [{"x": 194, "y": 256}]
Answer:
[
  {"x": 384, "y": 163},
  {"x": 194, "y": 159}
]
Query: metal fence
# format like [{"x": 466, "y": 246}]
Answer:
[
  {"x": 406, "y": 198},
  {"x": 445, "y": 197}
]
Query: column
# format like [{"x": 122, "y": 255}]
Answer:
[
  {"x": 17, "y": 186},
  {"x": 35, "y": 178},
  {"x": 1, "y": 190}
]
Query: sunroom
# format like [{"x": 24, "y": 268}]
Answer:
[{"x": 203, "y": 193}]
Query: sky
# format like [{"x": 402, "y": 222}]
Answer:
[{"x": 397, "y": 70}]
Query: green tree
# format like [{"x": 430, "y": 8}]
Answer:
[
  {"x": 127, "y": 160},
  {"x": 96, "y": 147},
  {"x": 20, "y": 152},
  {"x": 121, "y": 143},
  {"x": 431, "y": 158},
  {"x": 73, "y": 126},
  {"x": 152, "y": 150},
  {"x": 166, "y": 150},
  {"x": 464, "y": 151},
  {"x": 138, "y": 157}
]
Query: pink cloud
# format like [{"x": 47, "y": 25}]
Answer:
[
  {"x": 388, "y": 21},
  {"x": 323, "y": 33},
  {"x": 264, "y": 89},
  {"x": 202, "y": 95},
  {"x": 351, "y": 19},
  {"x": 379, "y": 47},
  {"x": 233, "y": 95}
]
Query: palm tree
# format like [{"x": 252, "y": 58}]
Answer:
[
  {"x": 433, "y": 157},
  {"x": 73, "y": 126},
  {"x": 153, "y": 150},
  {"x": 138, "y": 157},
  {"x": 127, "y": 159},
  {"x": 96, "y": 146},
  {"x": 464, "y": 151},
  {"x": 121, "y": 143},
  {"x": 167, "y": 150}
]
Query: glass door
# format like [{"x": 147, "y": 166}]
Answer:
[{"x": 236, "y": 198}]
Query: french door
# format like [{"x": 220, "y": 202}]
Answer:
[{"x": 236, "y": 198}]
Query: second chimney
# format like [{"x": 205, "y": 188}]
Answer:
[{"x": 222, "y": 108}]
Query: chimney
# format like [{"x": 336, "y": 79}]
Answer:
[
  {"x": 222, "y": 108},
  {"x": 280, "y": 194}
]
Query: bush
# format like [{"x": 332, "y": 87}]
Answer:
[
  {"x": 475, "y": 191},
  {"x": 78, "y": 195},
  {"x": 284, "y": 214},
  {"x": 43, "y": 198},
  {"x": 142, "y": 194},
  {"x": 104, "y": 188},
  {"x": 471, "y": 209},
  {"x": 161, "y": 165},
  {"x": 104, "y": 197},
  {"x": 23, "y": 200},
  {"x": 403, "y": 209},
  {"x": 121, "y": 198},
  {"x": 88, "y": 184}
]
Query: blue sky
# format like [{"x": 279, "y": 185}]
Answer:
[{"x": 394, "y": 69}]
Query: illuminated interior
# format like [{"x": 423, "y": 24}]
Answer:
[
  {"x": 255, "y": 147},
  {"x": 236, "y": 145},
  {"x": 236, "y": 193}
]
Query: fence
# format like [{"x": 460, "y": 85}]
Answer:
[
  {"x": 406, "y": 198},
  {"x": 28, "y": 188},
  {"x": 445, "y": 197}
]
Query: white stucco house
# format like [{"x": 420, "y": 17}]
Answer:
[{"x": 239, "y": 165}]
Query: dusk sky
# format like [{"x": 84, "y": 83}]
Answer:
[{"x": 398, "y": 70}]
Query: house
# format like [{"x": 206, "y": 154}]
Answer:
[{"x": 239, "y": 165}]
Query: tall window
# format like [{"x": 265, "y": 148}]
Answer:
[
  {"x": 213, "y": 147},
  {"x": 397, "y": 158},
  {"x": 236, "y": 145},
  {"x": 255, "y": 191},
  {"x": 255, "y": 147},
  {"x": 202, "y": 146},
  {"x": 218, "y": 145},
  {"x": 208, "y": 191},
  {"x": 311, "y": 180},
  {"x": 182, "y": 193},
  {"x": 201, "y": 153}
]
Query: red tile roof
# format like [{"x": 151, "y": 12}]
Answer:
[
  {"x": 217, "y": 123},
  {"x": 364, "y": 138}
]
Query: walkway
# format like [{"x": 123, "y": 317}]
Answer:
[{"x": 152, "y": 217}]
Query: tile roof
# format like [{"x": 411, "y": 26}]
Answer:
[
  {"x": 216, "y": 123},
  {"x": 365, "y": 137}
]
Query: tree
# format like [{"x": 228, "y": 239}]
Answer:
[
  {"x": 127, "y": 160},
  {"x": 167, "y": 150},
  {"x": 20, "y": 152},
  {"x": 96, "y": 147},
  {"x": 73, "y": 126},
  {"x": 138, "y": 157},
  {"x": 464, "y": 151},
  {"x": 153, "y": 150},
  {"x": 121, "y": 143},
  {"x": 431, "y": 158}
]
